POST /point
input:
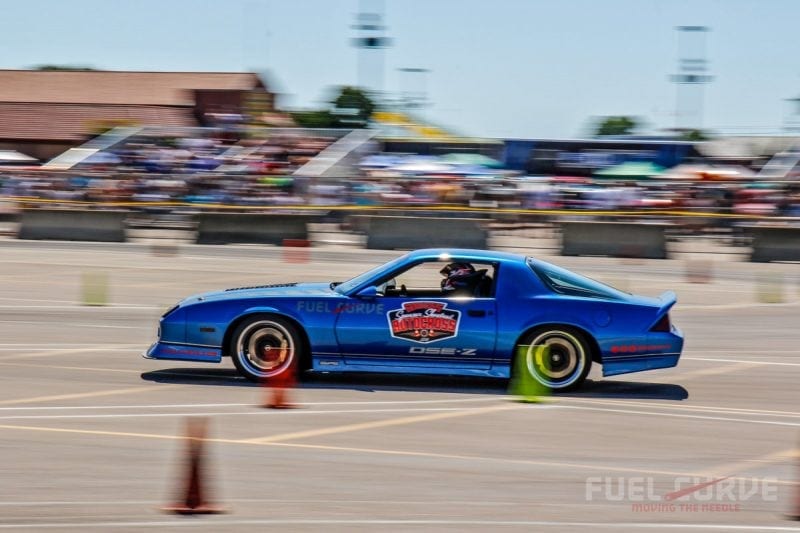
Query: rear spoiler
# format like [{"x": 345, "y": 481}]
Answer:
[{"x": 668, "y": 299}]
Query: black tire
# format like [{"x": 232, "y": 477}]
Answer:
[
  {"x": 569, "y": 362},
  {"x": 265, "y": 346}
]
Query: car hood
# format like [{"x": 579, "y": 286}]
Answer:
[{"x": 280, "y": 290}]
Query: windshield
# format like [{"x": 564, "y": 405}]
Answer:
[
  {"x": 563, "y": 281},
  {"x": 351, "y": 284}
]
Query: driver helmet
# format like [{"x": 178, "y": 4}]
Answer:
[{"x": 457, "y": 276}]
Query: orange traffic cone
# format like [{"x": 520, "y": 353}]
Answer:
[
  {"x": 296, "y": 250},
  {"x": 194, "y": 501},
  {"x": 276, "y": 390},
  {"x": 699, "y": 271}
]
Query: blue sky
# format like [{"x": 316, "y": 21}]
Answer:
[{"x": 497, "y": 68}]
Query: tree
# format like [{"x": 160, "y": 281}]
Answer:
[
  {"x": 352, "y": 107},
  {"x": 63, "y": 68},
  {"x": 616, "y": 126},
  {"x": 315, "y": 119},
  {"x": 694, "y": 135}
]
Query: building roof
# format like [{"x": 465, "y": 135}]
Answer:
[
  {"x": 117, "y": 87},
  {"x": 748, "y": 146},
  {"x": 72, "y": 122}
]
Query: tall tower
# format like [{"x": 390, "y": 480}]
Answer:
[
  {"x": 692, "y": 75},
  {"x": 371, "y": 42}
]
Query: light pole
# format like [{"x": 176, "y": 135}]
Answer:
[
  {"x": 692, "y": 75},
  {"x": 413, "y": 88},
  {"x": 371, "y": 40}
]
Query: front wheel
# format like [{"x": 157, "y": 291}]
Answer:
[
  {"x": 564, "y": 365},
  {"x": 265, "y": 347}
]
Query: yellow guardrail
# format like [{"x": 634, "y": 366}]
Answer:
[{"x": 26, "y": 201}]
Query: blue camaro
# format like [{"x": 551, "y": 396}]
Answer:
[{"x": 438, "y": 311}]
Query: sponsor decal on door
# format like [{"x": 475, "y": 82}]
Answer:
[{"x": 423, "y": 322}]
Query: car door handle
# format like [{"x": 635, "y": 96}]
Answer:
[{"x": 476, "y": 312}]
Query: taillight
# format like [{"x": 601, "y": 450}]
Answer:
[{"x": 662, "y": 324}]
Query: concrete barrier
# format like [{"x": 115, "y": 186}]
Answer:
[
  {"x": 615, "y": 239},
  {"x": 73, "y": 225},
  {"x": 775, "y": 243},
  {"x": 251, "y": 228},
  {"x": 408, "y": 233},
  {"x": 8, "y": 211}
]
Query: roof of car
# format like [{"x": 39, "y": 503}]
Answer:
[{"x": 460, "y": 253}]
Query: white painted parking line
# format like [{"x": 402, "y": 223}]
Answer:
[
  {"x": 472, "y": 459},
  {"x": 63, "y": 351},
  {"x": 725, "y": 360},
  {"x": 722, "y": 470},
  {"x": 254, "y": 411},
  {"x": 75, "y": 307},
  {"x": 280, "y": 502},
  {"x": 682, "y": 415},
  {"x": 770, "y": 351},
  {"x": 191, "y": 410},
  {"x": 37, "y": 345},
  {"x": 51, "y": 302},
  {"x": 728, "y": 307},
  {"x": 63, "y": 323},
  {"x": 69, "y": 304},
  {"x": 50, "y": 366},
  {"x": 390, "y": 422},
  {"x": 713, "y": 371},
  {"x": 223, "y": 405},
  {"x": 90, "y": 394},
  {"x": 681, "y": 407},
  {"x": 217, "y": 523}
]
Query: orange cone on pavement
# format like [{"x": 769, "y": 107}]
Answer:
[
  {"x": 699, "y": 271},
  {"x": 194, "y": 500},
  {"x": 296, "y": 250},
  {"x": 276, "y": 390}
]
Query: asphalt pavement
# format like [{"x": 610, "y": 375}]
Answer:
[{"x": 92, "y": 435}]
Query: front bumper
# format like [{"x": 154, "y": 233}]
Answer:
[{"x": 183, "y": 352}]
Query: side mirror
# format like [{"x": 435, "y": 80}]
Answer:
[{"x": 368, "y": 293}]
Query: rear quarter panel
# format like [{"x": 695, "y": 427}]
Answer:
[{"x": 525, "y": 303}]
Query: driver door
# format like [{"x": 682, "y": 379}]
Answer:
[{"x": 411, "y": 322}]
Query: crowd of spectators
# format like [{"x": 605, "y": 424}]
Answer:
[
  {"x": 219, "y": 167},
  {"x": 202, "y": 169}
]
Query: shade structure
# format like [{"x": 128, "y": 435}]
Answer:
[
  {"x": 468, "y": 159},
  {"x": 421, "y": 167},
  {"x": 102, "y": 158},
  {"x": 699, "y": 172},
  {"x": 13, "y": 157},
  {"x": 631, "y": 170},
  {"x": 381, "y": 161}
]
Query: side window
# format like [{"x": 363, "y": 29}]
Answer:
[
  {"x": 423, "y": 277},
  {"x": 443, "y": 279},
  {"x": 565, "y": 282}
]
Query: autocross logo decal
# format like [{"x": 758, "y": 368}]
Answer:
[{"x": 423, "y": 322}]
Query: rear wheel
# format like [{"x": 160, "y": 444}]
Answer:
[
  {"x": 564, "y": 366},
  {"x": 264, "y": 347}
]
